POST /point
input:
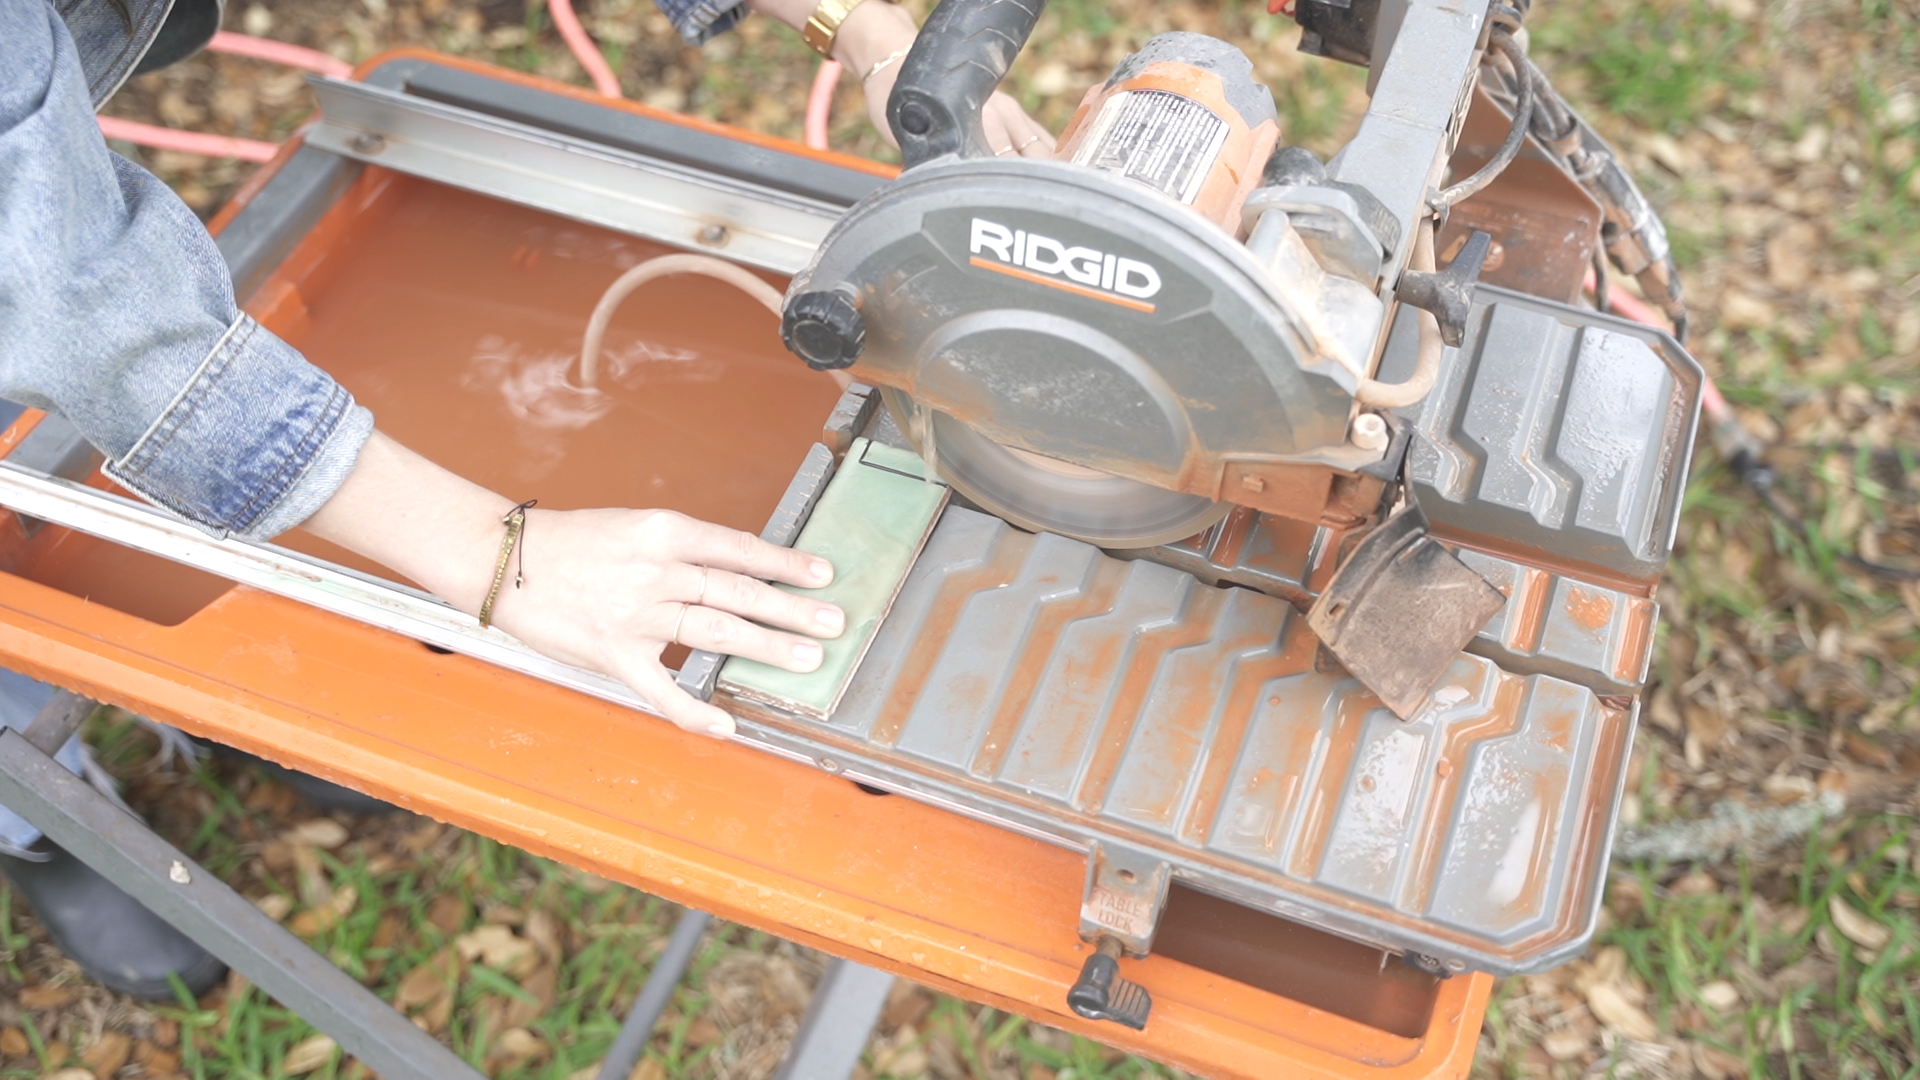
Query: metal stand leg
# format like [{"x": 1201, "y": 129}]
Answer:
[
  {"x": 123, "y": 850},
  {"x": 839, "y": 1020},
  {"x": 57, "y": 720},
  {"x": 638, "y": 1026},
  {"x": 832, "y": 1034}
]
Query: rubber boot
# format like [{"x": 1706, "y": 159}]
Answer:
[{"x": 113, "y": 937}]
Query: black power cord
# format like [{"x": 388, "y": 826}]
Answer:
[{"x": 1502, "y": 42}]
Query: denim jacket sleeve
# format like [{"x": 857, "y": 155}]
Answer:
[
  {"x": 117, "y": 312},
  {"x": 700, "y": 21}
]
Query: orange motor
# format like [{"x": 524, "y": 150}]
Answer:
[{"x": 1184, "y": 116}]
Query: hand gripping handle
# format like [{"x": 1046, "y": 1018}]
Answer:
[{"x": 961, "y": 55}]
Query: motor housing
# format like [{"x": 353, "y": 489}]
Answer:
[
  {"x": 1183, "y": 116},
  {"x": 1084, "y": 344}
]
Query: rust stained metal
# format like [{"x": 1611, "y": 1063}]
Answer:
[
  {"x": 961, "y": 584},
  {"x": 1036, "y": 682},
  {"x": 1590, "y": 608},
  {"x": 1251, "y": 678},
  {"x": 1158, "y": 781},
  {"x": 1554, "y": 623},
  {"x": 1544, "y": 224},
  {"x": 1071, "y": 604},
  {"x": 1399, "y": 608},
  {"x": 1566, "y": 446},
  {"x": 1338, "y": 748},
  {"x": 1260, "y": 551},
  {"x": 1148, "y": 655},
  {"x": 1448, "y": 773}
]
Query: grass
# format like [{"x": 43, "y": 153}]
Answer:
[
  {"x": 1810, "y": 1002},
  {"x": 1709, "y": 933},
  {"x": 1660, "y": 64},
  {"x": 1867, "y": 1014}
]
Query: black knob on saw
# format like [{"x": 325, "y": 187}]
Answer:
[
  {"x": 1448, "y": 293},
  {"x": 1101, "y": 994},
  {"x": 824, "y": 328}
]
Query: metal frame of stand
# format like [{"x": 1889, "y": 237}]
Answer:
[{"x": 833, "y": 1032}]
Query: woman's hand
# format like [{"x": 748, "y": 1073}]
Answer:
[
  {"x": 1008, "y": 127},
  {"x": 606, "y": 590},
  {"x": 609, "y": 590}
]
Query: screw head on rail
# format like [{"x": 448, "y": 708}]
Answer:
[{"x": 368, "y": 142}]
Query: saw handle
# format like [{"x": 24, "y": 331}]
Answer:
[{"x": 958, "y": 60}]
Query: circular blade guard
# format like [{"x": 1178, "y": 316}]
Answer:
[
  {"x": 1051, "y": 496},
  {"x": 1003, "y": 362}
]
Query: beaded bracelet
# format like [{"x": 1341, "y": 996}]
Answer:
[{"x": 516, "y": 523}]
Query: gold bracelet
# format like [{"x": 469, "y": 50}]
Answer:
[
  {"x": 516, "y": 523},
  {"x": 886, "y": 62},
  {"x": 823, "y": 26}
]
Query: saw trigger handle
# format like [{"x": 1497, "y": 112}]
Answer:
[
  {"x": 962, "y": 53},
  {"x": 824, "y": 328},
  {"x": 1101, "y": 994}
]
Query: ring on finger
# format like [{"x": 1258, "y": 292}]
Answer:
[
  {"x": 1030, "y": 142},
  {"x": 705, "y": 573},
  {"x": 679, "y": 621}
]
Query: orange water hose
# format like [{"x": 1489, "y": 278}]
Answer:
[
  {"x": 583, "y": 48},
  {"x": 820, "y": 103},
  {"x": 279, "y": 52},
  {"x": 229, "y": 146}
]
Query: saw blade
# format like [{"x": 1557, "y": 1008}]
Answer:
[{"x": 1050, "y": 496}]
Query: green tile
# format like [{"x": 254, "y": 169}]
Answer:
[{"x": 870, "y": 524}]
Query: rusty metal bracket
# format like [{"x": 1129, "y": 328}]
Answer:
[
  {"x": 1401, "y": 609},
  {"x": 1126, "y": 891}
]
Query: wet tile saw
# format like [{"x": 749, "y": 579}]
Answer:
[
  {"x": 1281, "y": 562},
  {"x": 1217, "y": 516}
]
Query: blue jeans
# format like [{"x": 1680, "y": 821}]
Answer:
[{"x": 116, "y": 312}]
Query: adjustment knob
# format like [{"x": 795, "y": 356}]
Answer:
[
  {"x": 824, "y": 328},
  {"x": 1101, "y": 994}
]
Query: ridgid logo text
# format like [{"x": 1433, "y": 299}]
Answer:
[{"x": 1043, "y": 260}]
